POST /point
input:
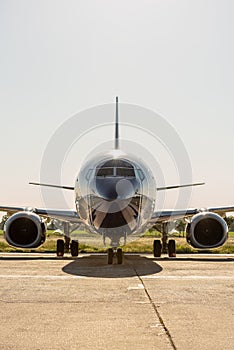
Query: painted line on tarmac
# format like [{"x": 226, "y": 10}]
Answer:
[
  {"x": 139, "y": 286},
  {"x": 189, "y": 277}
]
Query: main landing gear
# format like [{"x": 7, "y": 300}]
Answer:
[
  {"x": 67, "y": 245},
  {"x": 63, "y": 246},
  {"x": 171, "y": 248},
  {"x": 164, "y": 246},
  {"x": 111, "y": 253}
]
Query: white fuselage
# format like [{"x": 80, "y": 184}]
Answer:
[{"x": 115, "y": 195}]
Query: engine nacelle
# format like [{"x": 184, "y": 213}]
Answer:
[
  {"x": 206, "y": 230},
  {"x": 25, "y": 230}
]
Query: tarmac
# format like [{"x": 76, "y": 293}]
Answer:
[{"x": 63, "y": 303}]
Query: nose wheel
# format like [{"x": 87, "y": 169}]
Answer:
[{"x": 118, "y": 254}]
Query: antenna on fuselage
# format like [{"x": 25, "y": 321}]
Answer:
[{"x": 117, "y": 123}]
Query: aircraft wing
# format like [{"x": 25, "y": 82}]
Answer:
[
  {"x": 60, "y": 214},
  {"x": 171, "y": 214},
  {"x": 221, "y": 210},
  {"x": 174, "y": 214}
]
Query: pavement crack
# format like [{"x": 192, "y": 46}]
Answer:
[{"x": 156, "y": 311}]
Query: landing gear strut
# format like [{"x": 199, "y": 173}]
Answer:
[
  {"x": 111, "y": 253},
  {"x": 164, "y": 237},
  {"x": 67, "y": 238}
]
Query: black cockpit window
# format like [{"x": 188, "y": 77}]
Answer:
[
  {"x": 125, "y": 172},
  {"x": 116, "y": 167},
  {"x": 105, "y": 171}
]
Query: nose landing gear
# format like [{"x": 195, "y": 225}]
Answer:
[{"x": 111, "y": 253}]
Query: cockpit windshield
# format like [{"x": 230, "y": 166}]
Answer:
[{"x": 115, "y": 167}]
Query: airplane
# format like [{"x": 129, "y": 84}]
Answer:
[{"x": 115, "y": 196}]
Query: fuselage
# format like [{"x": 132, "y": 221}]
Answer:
[{"x": 115, "y": 195}]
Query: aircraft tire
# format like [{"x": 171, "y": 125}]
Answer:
[
  {"x": 60, "y": 248},
  {"x": 110, "y": 255},
  {"x": 157, "y": 248},
  {"x": 74, "y": 248},
  {"x": 171, "y": 247},
  {"x": 119, "y": 256}
]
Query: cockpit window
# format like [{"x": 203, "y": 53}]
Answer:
[
  {"x": 105, "y": 171},
  {"x": 125, "y": 172},
  {"x": 116, "y": 167}
]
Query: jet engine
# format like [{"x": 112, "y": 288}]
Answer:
[
  {"x": 25, "y": 230},
  {"x": 206, "y": 230}
]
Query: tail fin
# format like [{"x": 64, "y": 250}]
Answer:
[{"x": 117, "y": 124}]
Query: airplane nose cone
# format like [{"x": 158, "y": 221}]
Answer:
[{"x": 116, "y": 188}]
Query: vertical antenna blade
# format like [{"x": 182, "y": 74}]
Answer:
[{"x": 117, "y": 124}]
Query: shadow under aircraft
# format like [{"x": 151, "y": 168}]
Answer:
[{"x": 95, "y": 266}]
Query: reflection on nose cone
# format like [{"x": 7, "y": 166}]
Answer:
[
  {"x": 125, "y": 189},
  {"x": 116, "y": 188}
]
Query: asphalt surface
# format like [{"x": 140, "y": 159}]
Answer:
[{"x": 52, "y": 303}]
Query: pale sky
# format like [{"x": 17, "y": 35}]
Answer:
[{"x": 173, "y": 57}]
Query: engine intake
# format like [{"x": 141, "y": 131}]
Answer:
[
  {"x": 207, "y": 230},
  {"x": 25, "y": 230}
]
